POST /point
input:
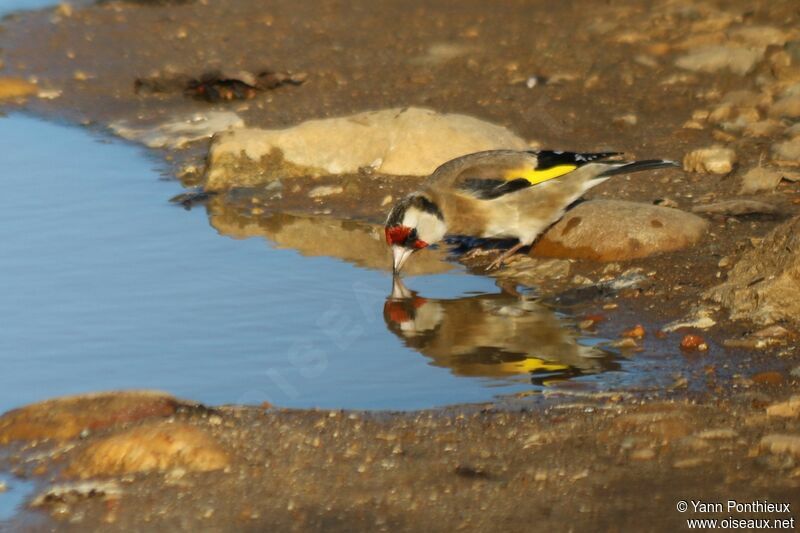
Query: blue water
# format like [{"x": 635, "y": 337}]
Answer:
[
  {"x": 105, "y": 285},
  {"x": 9, "y": 6},
  {"x": 15, "y": 493}
]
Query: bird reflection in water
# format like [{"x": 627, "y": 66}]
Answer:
[{"x": 492, "y": 335}]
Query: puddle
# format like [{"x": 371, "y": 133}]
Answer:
[
  {"x": 13, "y": 493},
  {"x": 107, "y": 286},
  {"x": 10, "y": 6}
]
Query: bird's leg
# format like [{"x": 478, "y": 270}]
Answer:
[{"x": 497, "y": 263}]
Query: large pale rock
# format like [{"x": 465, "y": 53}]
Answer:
[
  {"x": 408, "y": 141},
  {"x": 764, "y": 286},
  {"x": 65, "y": 418},
  {"x": 613, "y": 230},
  {"x": 155, "y": 446}
]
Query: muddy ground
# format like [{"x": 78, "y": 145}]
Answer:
[{"x": 572, "y": 460}]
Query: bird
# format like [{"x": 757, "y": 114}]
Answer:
[{"x": 500, "y": 194}]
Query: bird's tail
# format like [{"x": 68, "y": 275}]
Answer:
[{"x": 638, "y": 166}]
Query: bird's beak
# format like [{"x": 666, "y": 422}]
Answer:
[{"x": 399, "y": 257}]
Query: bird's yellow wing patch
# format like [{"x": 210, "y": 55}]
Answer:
[{"x": 535, "y": 176}]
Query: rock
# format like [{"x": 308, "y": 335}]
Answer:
[
  {"x": 718, "y": 434},
  {"x": 768, "y": 378},
  {"x": 71, "y": 493},
  {"x": 762, "y": 128},
  {"x": 671, "y": 424},
  {"x": 787, "y": 152},
  {"x": 700, "y": 319},
  {"x": 780, "y": 444},
  {"x": 691, "y": 462},
  {"x": 748, "y": 343},
  {"x": 746, "y": 99},
  {"x": 13, "y": 88},
  {"x": 636, "y": 332},
  {"x": 628, "y": 119},
  {"x": 713, "y": 58},
  {"x": 614, "y": 230},
  {"x": 410, "y": 141},
  {"x": 773, "y": 332},
  {"x": 530, "y": 271},
  {"x": 156, "y": 446},
  {"x": 788, "y": 107},
  {"x": 325, "y": 190},
  {"x": 179, "y": 131},
  {"x": 644, "y": 454},
  {"x": 714, "y": 160},
  {"x": 442, "y": 52},
  {"x": 667, "y": 202},
  {"x": 764, "y": 286},
  {"x": 760, "y": 179},
  {"x": 737, "y": 208},
  {"x": 759, "y": 36},
  {"x": 793, "y": 131},
  {"x": 788, "y": 409},
  {"x": 692, "y": 343},
  {"x": 65, "y": 418}
]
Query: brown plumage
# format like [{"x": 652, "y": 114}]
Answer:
[{"x": 500, "y": 194}]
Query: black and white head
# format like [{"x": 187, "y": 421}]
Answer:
[{"x": 414, "y": 223}]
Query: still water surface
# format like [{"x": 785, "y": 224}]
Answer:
[
  {"x": 105, "y": 285},
  {"x": 10, "y": 6}
]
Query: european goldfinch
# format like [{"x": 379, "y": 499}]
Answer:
[{"x": 499, "y": 194}]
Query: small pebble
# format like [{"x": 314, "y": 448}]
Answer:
[
  {"x": 636, "y": 332},
  {"x": 713, "y": 160},
  {"x": 693, "y": 343},
  {"x": 325, "y": 190},
  {"x": 645, "y": 454}
]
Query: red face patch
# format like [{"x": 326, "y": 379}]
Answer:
[
  {"x": 400, "y": 236},
  {"x": 397, "y": 235}
]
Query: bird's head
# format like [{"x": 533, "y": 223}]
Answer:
[{"x": 414, "y": 223}]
